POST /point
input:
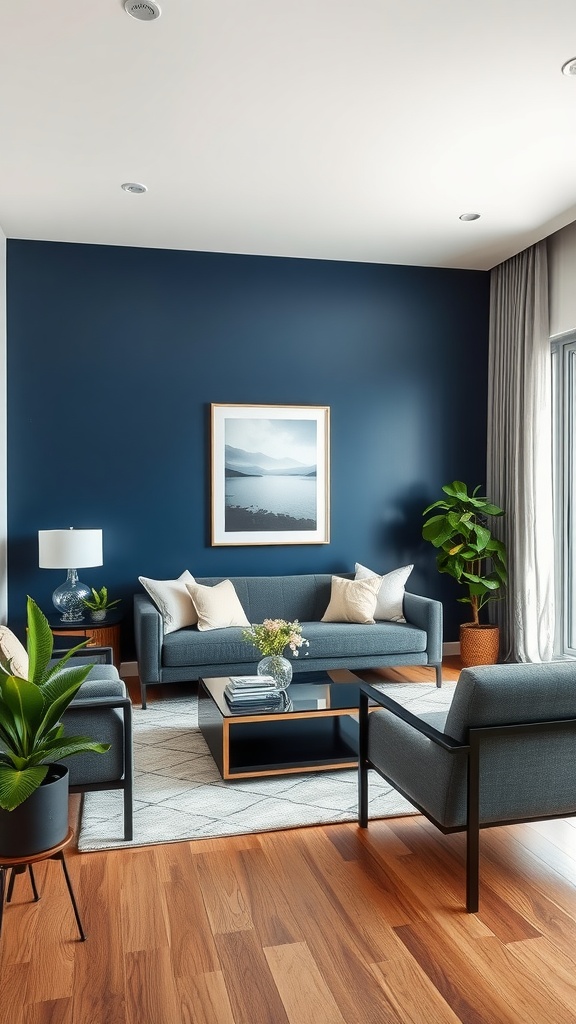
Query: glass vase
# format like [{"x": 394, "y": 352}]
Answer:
[{"x": 278, "y": 667}]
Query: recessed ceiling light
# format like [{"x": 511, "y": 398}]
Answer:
[
  {"x": 147, "y": 11},
  {"x": 134, "y": 186},
  {"x": 569, "y": 68},
  {"x": 469, "y": 216}
]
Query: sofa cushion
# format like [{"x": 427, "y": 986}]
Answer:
[
  {"x": 327, "y": 641},
  {"x": 352, "y": 600},
  {"x": 172, "y": 600},
  {"x": 390, "y": 602},
  {"x": 217, "y": 607},
  {"x": 223, "y": 646},
  {"x": 352, "y": 640}
]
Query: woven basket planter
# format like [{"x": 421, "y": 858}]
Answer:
[{"x": 478, "y": 644}]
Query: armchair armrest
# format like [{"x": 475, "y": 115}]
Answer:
[
  {"x": 440, "y": 738},
  {"x": 101, "y": 702}
]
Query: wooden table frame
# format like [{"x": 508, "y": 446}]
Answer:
[{"x": 302, "y": 741}]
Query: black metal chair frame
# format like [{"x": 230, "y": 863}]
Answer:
[
  {"x": 98, "y": 655},
  {"x": 126, "y": 783},
  {"x": 472, "y": 751}
]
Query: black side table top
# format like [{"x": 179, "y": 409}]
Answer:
[{"x": 113, "y": 618}]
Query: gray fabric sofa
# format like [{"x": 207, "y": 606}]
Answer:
[{"x": 188, "y": 654}]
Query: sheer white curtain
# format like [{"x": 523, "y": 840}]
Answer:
[{"x": 519, "y": 463}]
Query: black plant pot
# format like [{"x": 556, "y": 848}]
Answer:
[{"x": 39, "y": 823}]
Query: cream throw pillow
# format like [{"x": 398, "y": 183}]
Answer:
[
  {"x": 390, "y": 603},
  {"x": 352, "y": 600},
  {"x": 172, "y": 601},
  {"x": 13, "y": 654},
  {"x": 218, "y": 606}
]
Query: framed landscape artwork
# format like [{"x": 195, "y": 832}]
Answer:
[{"x": 270, "y": 474}]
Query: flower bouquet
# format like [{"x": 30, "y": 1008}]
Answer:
[{"x": 271, "y": 638}]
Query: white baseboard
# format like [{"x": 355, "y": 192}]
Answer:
[{"x": 451, "y": 648}]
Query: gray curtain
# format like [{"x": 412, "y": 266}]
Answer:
[{"x": 519, "y": 462}]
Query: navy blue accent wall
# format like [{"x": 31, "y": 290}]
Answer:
[{"x": 115, "y": 354}]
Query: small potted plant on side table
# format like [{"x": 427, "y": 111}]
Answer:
[{"x": 99, "y": 604}]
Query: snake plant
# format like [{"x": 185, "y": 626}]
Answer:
[{"x": 31, "y": 734}]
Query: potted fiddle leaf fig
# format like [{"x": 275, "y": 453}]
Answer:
[
  {"x": 470, "y": 553},
  {"x": 33, "y": 784},
  {"x": 99, "y": 604}
]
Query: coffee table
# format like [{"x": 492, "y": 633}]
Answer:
[{"x": 314, "y": 733}]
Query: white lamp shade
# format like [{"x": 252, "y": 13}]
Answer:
[{"x": 69, "y": 549}]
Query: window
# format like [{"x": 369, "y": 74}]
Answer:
[{"x": 564, "y": 479}]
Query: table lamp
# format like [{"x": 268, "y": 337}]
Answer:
[{"x": 72, "y": 550}]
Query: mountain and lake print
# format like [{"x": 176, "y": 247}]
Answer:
[{"x": 271, "y": 492}]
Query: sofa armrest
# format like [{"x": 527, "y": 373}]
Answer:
[
  {"x": 426, "y": 614},
  {"x": 148, "y": 636}
]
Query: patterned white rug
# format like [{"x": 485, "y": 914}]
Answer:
[{"x": 180, "y": 795}]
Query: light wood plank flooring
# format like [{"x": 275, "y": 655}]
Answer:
[{"x": 323, "y": 925}]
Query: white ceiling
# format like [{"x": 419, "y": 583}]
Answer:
[{"x": 333, "y": 129}]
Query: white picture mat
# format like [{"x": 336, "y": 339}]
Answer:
[{"x": 264, "y": 415}]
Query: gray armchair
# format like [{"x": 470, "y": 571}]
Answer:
[
  {"x": 102, "y": 710},
  {"x": 505, "y": 752}
]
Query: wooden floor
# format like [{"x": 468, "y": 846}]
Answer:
[{"x": 328, "y": 925}]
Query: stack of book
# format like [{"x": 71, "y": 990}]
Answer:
[{"x": 253, "y": 693}]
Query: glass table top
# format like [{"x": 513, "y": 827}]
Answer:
[{"x": 318, "y": 693}]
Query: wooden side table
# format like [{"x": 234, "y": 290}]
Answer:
[
  {"x": 100, "y": 634},
  {"x": 18, "y": 865}
]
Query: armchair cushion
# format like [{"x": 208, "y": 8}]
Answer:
[
  {"x": 86, "y": 717},
  {"x": 431, "y": 777},
  {"x": 14, "y": 652},
  {"x": 501, "y": 694}
]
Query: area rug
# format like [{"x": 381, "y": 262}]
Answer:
[{"x": 180, "y": 795}]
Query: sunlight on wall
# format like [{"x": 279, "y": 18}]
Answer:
[{"x": 561, "y": 274}]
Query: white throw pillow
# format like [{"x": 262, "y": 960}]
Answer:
[
  {"x": 172, "y": 601},
  {"x": 390, "y": 603},
  {"x": 352, "y": 600},
  {"x": 13, "y": 654},
  {"x": 218, "y": 606}
]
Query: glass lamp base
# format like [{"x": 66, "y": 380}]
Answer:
[{"x": 67, "y": 598}]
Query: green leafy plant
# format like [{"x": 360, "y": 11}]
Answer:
[
  {"x": 468, "y": 550},
  {"x": 99, "y": 601},
  {"x": 31, "y": 735},
  {"x": 273, "y": 635}
]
